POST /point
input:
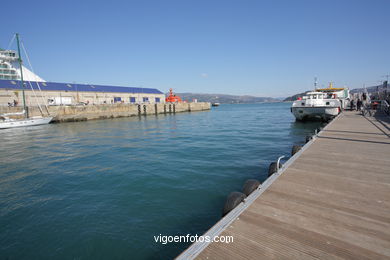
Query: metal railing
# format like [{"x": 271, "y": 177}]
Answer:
[
  {"x": 385, "y": 107},
  {"x": 366, "y": 109},
  {"x": 380, "y": 105}
]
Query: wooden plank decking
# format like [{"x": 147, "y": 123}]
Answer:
[{"x": 332, "y": 202}]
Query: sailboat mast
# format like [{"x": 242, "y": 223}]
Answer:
[{"x": 21, "y": 75}]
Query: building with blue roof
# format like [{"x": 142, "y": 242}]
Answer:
[{"x": 56, "y": 93}]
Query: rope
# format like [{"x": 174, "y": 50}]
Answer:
[
  {"x": 36, "y": 98},
  {"x": 44, "y": 101},
  {"x": 12, "y": 40}
]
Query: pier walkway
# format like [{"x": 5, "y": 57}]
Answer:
[{"x": 331, "y": 202}]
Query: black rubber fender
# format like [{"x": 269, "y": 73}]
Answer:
[
  {"x": 295, "y": 149},
  {"x": 273, "y": 168},
  {"x": 250, "y": 186},
  {"x": 232, "y": 201}
]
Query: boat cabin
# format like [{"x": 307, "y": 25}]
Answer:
[{"x": 315, "y": 95}]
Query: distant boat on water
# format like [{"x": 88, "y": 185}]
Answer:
[{"x": 215, "y": 104}]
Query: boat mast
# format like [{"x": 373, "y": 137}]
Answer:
[{"x": 21, "y": 75}]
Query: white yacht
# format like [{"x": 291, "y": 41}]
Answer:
[{"x": 7, "y": 122}]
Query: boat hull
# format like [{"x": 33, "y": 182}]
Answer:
[
  {"x": 25, "y": 122},
  {"x": 315, "y": 113}
]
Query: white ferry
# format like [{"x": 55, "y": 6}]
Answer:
[
  {"x": 322, "y": 104},
  {"x": 316, "y": 105}
]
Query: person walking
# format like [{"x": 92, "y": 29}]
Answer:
[
  {"x": 352, "y": 104},
  {"x": 359, "y": 104}
]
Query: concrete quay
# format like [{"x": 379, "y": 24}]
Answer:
[
  {"x": 92, "y": 112},
  {"x": 331, "y": 200}
]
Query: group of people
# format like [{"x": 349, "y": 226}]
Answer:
[
  {"x": 13, "y": 103},
  {"x": 359, "y": 104}
]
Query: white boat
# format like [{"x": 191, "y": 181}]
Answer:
[
  {"x": 316, "y": 105},
  {"x": 6, "y": 120}
]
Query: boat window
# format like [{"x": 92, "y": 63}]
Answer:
[{"x": 327, "y": 103}]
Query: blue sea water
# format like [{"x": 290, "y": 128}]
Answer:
[{"x": 103, "y": 189}]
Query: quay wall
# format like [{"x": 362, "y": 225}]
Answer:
[{"x": 104, "y": 111}]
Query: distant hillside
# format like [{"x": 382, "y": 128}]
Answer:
[
  {"x": 369, "y": 89},
  {"x": 295, "y": 97},
  {"x": 225, "y": 99}
]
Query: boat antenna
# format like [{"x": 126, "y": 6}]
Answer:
[
  {"x": 315, "y": 82},
  {"x": 21, "y": 75}
]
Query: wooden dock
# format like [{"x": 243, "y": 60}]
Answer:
[{"x": 332, "y": 201}]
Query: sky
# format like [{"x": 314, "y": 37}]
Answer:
[{"x": 242, "y": 47}]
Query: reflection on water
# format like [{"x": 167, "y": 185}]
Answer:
[{"x": 103, "y": 189}]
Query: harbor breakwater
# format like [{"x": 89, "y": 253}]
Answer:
[{"x": 92, "y": 112}]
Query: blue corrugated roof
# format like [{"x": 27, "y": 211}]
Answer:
[{"x": 55, "y": 86}]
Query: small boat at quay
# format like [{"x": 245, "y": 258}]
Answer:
[
  {"x": 322, "y": 104},
  {"x": 215, "y": 104},
  {"x": 7, "y": 122},
  {"x": 22, "y": 119},
  {"x": 316, "y": 105}
]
